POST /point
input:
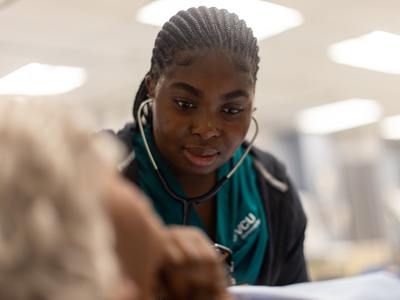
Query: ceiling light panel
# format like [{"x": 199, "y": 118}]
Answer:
[
  {"x": 266, "y": 19},
  {"x": 36, "y": 79},
  {"x": 377, "y": 50},
  {"x": 338, "y": 116}
]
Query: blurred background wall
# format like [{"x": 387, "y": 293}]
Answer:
[{"x": 328, "y": 95}]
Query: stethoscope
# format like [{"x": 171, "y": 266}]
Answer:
[{"x": 189, "y": 202}]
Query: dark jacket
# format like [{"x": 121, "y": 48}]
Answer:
[{"x": 284, "y": 261}]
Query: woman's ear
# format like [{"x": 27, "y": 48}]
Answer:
[{"x": 150, "y": 85}]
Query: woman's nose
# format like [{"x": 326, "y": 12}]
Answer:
[{"x": 206, "y": 128}]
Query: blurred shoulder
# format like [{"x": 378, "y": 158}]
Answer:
[
  {"x": 124, "y": 134},
  {"x": 266, "y": 162}
]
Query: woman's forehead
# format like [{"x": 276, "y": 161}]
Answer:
[
  {"x": 211, "y": 56},
  {"x": 209, "y": 66}
]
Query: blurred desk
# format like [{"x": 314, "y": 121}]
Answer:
[{"x": 381, "y": 285}]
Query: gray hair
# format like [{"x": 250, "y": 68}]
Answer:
[{"x": 55, "y": 240}]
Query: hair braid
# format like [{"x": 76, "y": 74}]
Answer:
[
  {"x": 141, "y": 96},
  {"x": 197, "y": 29}
]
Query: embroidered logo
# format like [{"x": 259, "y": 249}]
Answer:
[{"x": 246, "y": 226}]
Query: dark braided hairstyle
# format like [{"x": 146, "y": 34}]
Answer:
[{"x": 197, "y": 29}]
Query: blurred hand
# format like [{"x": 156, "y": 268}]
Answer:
[
  {"x": 178, "y": 260},
  {"x": 139, "y": 236},
  {"x": 126, "y": 290},
  {"x": 192, "y": 268}
]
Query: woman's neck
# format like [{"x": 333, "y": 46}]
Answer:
[{"x": 196, "y": 185}]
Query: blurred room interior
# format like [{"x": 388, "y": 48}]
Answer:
[{"x": 328, "y": 99}]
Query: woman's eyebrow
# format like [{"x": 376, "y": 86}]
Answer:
[
  {"x": 236, "y": 94},
  {"x": 187, "y": 87}
]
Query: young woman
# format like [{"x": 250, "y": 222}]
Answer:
[{"x": 195, "y": 108}]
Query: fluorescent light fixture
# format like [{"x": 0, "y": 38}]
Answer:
[
  {"x": 36, "y": 79},
  {"x": 391, "y": 128},
  {"x": 266, "y": 19},
  {"x": 338, "y": 116},
  {"x": 377, "y": 50}
]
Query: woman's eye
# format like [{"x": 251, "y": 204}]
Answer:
[
  {"x": 232, "y": 110},
  {"x": 184, "y": 105}
]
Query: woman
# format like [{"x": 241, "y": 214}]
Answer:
[{"x": 196, "y": 104}]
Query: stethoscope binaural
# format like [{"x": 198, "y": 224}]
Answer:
[{"x": 189, "y": 202}]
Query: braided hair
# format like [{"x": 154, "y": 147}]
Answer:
[{"x": 197, "y": 29}]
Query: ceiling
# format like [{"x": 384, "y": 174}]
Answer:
[{"x": 103, "y": 37}]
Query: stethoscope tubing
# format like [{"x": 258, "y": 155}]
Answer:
[{"x": 189, "y": 202}]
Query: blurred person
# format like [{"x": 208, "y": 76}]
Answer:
[
  {"x": 55, "y": 239},
  {"x": 192, "y": 112},
  {"x": 59, "y": 196}
]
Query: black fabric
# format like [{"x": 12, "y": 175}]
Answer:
[{"x": 284, "y": 261}]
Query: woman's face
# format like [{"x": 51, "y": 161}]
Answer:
[{"x": 201, "y": 111}]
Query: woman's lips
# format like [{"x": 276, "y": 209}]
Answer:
[{"x": 201, "y": 157}]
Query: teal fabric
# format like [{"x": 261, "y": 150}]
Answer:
[{"x": 241, "y": 220}]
